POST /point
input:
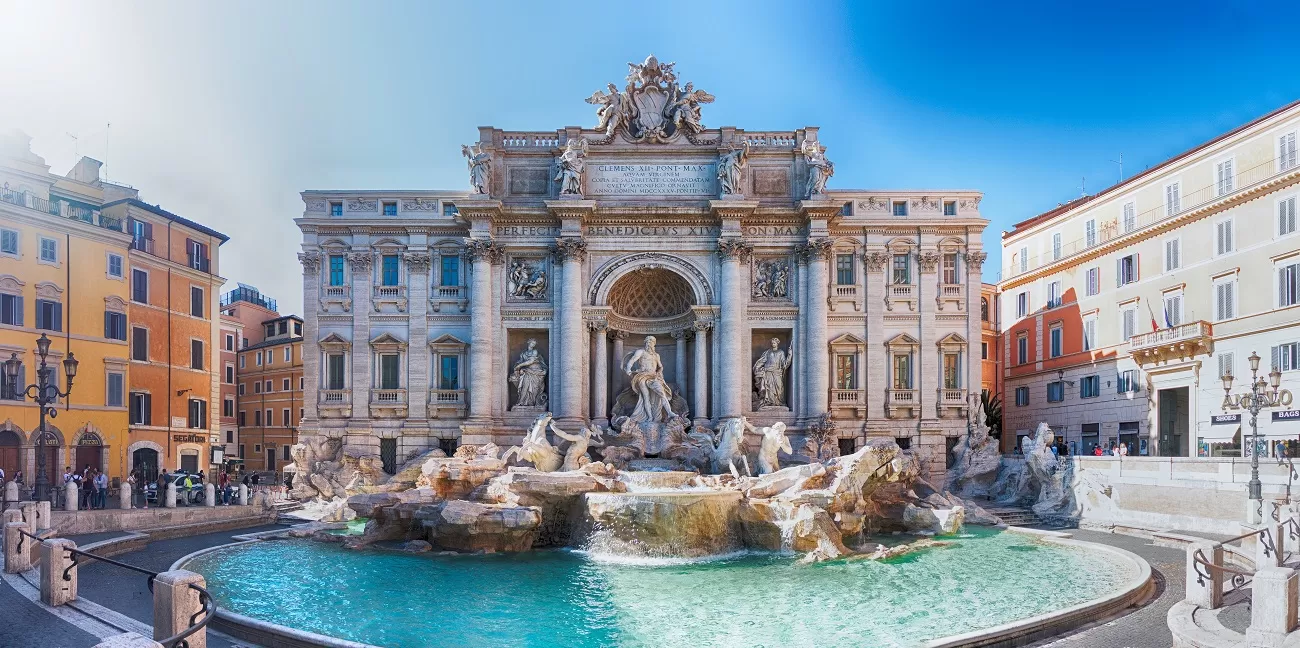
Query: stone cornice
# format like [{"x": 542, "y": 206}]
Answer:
[{"x": 733, "y": 209}]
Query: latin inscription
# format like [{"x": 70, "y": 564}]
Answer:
[
  {"x": 773, "y": 230},
  {"x": 652, "y": 180},
  {"x": 651, "y": 230},
  {"x": 527, "y": 230}
]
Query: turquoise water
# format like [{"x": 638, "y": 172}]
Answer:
[{"x": 563, "y": 598}]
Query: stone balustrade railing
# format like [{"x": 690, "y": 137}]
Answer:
[
  {"x": 388, "y": 396},
  {"x": 901, "y": 396}
]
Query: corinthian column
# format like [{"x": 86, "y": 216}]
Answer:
[
  {"x": 679, "y": 357},
  {"x": 570, "y": 251},
  {"x": 359, "y": 261},
  {"x": 482, "y": 253},
  {"x": 701, "y": 373},
  {"x": 311, "y": 279},
  {"x": 819, "y": 252},
  {"x": 734, "y": 365},
  {"x": 420, "y": 371},
  {"x": 599, "y": 401}
]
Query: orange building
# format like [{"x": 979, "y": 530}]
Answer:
[
  {"x": 270, "y": 402},
  {"x": 174, "y": 387},
  {"x": 990, "y": 341},
  {"x": 230, "y": 332}
]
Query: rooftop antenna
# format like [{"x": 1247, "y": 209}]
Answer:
[
  {"x": 1083, "y": 185},
  {"x": 107, "y": 130},
  {"x": 1120, "y": 162},
  {"x": 76, "y": 145}
]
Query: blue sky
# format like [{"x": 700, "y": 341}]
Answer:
[{"x": 222, "y": 112}]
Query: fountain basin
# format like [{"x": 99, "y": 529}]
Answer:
[
  {"x": 662, "y": 524},
  {"x": 986, "y": 585}
]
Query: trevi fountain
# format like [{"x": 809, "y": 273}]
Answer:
[{"x": 743, "y": 498}]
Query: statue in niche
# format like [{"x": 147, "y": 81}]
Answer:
[
  {"x": 771, "y": 280},
  {"x": 526, "y": 281},
  {"x": 480, "y": 168},
  {"x": 573, "y": 162},
  {"x": 769, "y": 376},
  {"x": 654, "y": 396},
  {"x": 529, "y": 378},
  {"x": 731, "y": 170},
  {"x": 820, "y": 169}
]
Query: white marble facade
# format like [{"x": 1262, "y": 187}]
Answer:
[{"x": 422, "y": 303}]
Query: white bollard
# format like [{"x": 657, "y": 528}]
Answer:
[
  {"x": 1205, "y": 585},
  {"x": 243, "y": 495},
  {"x": 124, "y": 497},
  {"x": 11, "y": 493},
  {"x": 1273, "y": 606},
  {"x": 175, "y": 603},
  {"x": 169, "y": 499},
  {"x": 209, "y": 495},
  {"x": 17, "y": 556},
  {"x": 70, "y": 496},
  {"x": 55, "y": 559},
  {"x": 128, "y": 640}
]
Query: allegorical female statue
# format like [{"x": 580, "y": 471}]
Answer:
[
  {"x": 769, "y": 375},
  {"x": 529, "y": 378},
  {"x": 820, "y": 169},
  {"x": 731, "y": 170},
  {"x": 480, "y": 168},
  {"x": 573, "y": 162},
  {"x": 654, "y": 397}
]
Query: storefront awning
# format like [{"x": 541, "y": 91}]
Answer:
[{"x": 1218, "y": 433}]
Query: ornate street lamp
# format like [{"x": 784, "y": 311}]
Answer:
[
  {"x": 1263, "y": 395},
  {"x": 45, "y": 393}
]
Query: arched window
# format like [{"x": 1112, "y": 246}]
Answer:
[{"x": 984, "y": 309}]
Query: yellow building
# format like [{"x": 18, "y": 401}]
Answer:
[{"x": 63, "y": 268}]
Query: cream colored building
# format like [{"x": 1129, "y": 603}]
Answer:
[{"x": 1202, "y": 248}]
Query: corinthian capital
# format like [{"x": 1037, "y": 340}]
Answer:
[
  {"x": 570, "y": 248},
  {"x": 310, "y": 261},
  {"x": 975, "y": 260},
  {"x": 483, "y": 249},
  {"x": 818, "y": 248},
  {"x": 418, "y": 262},
  {"x": 928, "y": 260},
  {"x": 734, "y": 248},
  {"x": 875, "y": 261},
  {"x": 360, "y": 261}
]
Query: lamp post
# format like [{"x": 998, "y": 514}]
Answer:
[
  {"x": 45, "y": 393},
  {"x": 1263, "y": 395}
]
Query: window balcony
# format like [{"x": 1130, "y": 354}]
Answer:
[
  {"x": 901, "y": 403},
  {"x": 951, "y": 294},
  {"x": 850, "y": 399},
  {"x": 444, "y": 402},
  {"x": 1176, "y": 343},
  {"x": 142, "y": 244},
  {"x": 900, "y": 294},
  {"x": 60, "y": 208},
  {"x": 953, "y": 403},
  {"x": 335, "y": 403},
  {"x": 197, "y": 262},
  {"x": 394, "y": 296},
  {"x": 388, "y": 403},
  {"x": 847, "y": 293},
  {"x": 439, "y": 295},
  {"x": 336, "y": 299}
]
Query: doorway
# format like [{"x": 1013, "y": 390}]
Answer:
[
  {"x": 190, "y": 463},
  {"x": 146, "y": 461},
  {"x": 9, "y": 444},
  {"x": 89, "y": 452},
  {"x": 270, "y": 459},
  {"x": 1172, "y": 423}
]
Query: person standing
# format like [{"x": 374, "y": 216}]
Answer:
[
  {"x": 101, "y": 488},
  {"x": 130, "y": 484}
]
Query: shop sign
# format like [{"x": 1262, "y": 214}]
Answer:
[
  {"x": 1225, "y": 419},
  {"x": 189, "y": 438},
  {"x": 1286, "y": 415}
]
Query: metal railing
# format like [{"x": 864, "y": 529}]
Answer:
[
  {"x": 1234, "y": 578},
  {"x": 60, "y": 208},
  {"x": 1111, "y": 229},
  {"x": 197, "y": 262},
  {"x": 198, "y": 620}
]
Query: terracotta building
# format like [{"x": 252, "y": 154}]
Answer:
[
  {"x": 172, "y": 324},
  {"x": 990, "y": 341},
  {"x": 230, "y": 333},
  {"x": 270, "y": 394}
]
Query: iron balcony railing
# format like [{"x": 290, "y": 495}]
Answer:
[
  {"x": 1180, "y": 333},
  {"x": 199, "y": 263},
  {"x": 60, "y": 208}
]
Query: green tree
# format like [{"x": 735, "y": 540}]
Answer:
[{"x": 992, "y": 413}]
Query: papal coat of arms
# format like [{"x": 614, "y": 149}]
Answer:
[{"x": 652, "y": 108}]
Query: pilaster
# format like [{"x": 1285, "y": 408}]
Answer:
[
  {"x": 877, "y": 264},
  {"x": 311, "y": 279},
  {"x": 359, "y": 263},
  {"x": 818, "y": 251},
  {"x": 600, "y": 371},
  {"x": 418, "y": 262},
  {"x": 481, "y": 254},
  {"x": 733, "y": 351},
  {"x": 929, "y": 380},
  {"x": 570, "y": 252}
]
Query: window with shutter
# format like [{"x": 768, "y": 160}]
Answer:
[
  {"x": 1225, "y": 306},
  {"x": 11, "y": 310},
  {"x": 1225, "y": 364},
  {"x": 1130, "y": 323},
  {"x": 1090, "y": 232},
  {"x": 1288, "y": 285},
  {"x": 1171, "y": 254},
  {"x": 1286, "y": 357},
  {"x": 1174, "y": 309},
  {"x": 1223, "y": 177},
  {"x": 1024, "y": 259},
  {"x": 1094, "y": 281},
  {"x": 1056, "y": 246},
  {"x": 1130, "y": 216},
  {"x": 1089, "y": 333},
  {"x": 1223, "y": 237},
  {"x": 1286, "y": 147},
  {"x": 1286, "y": 216},
  {"x": 1173, "y": 201}
]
